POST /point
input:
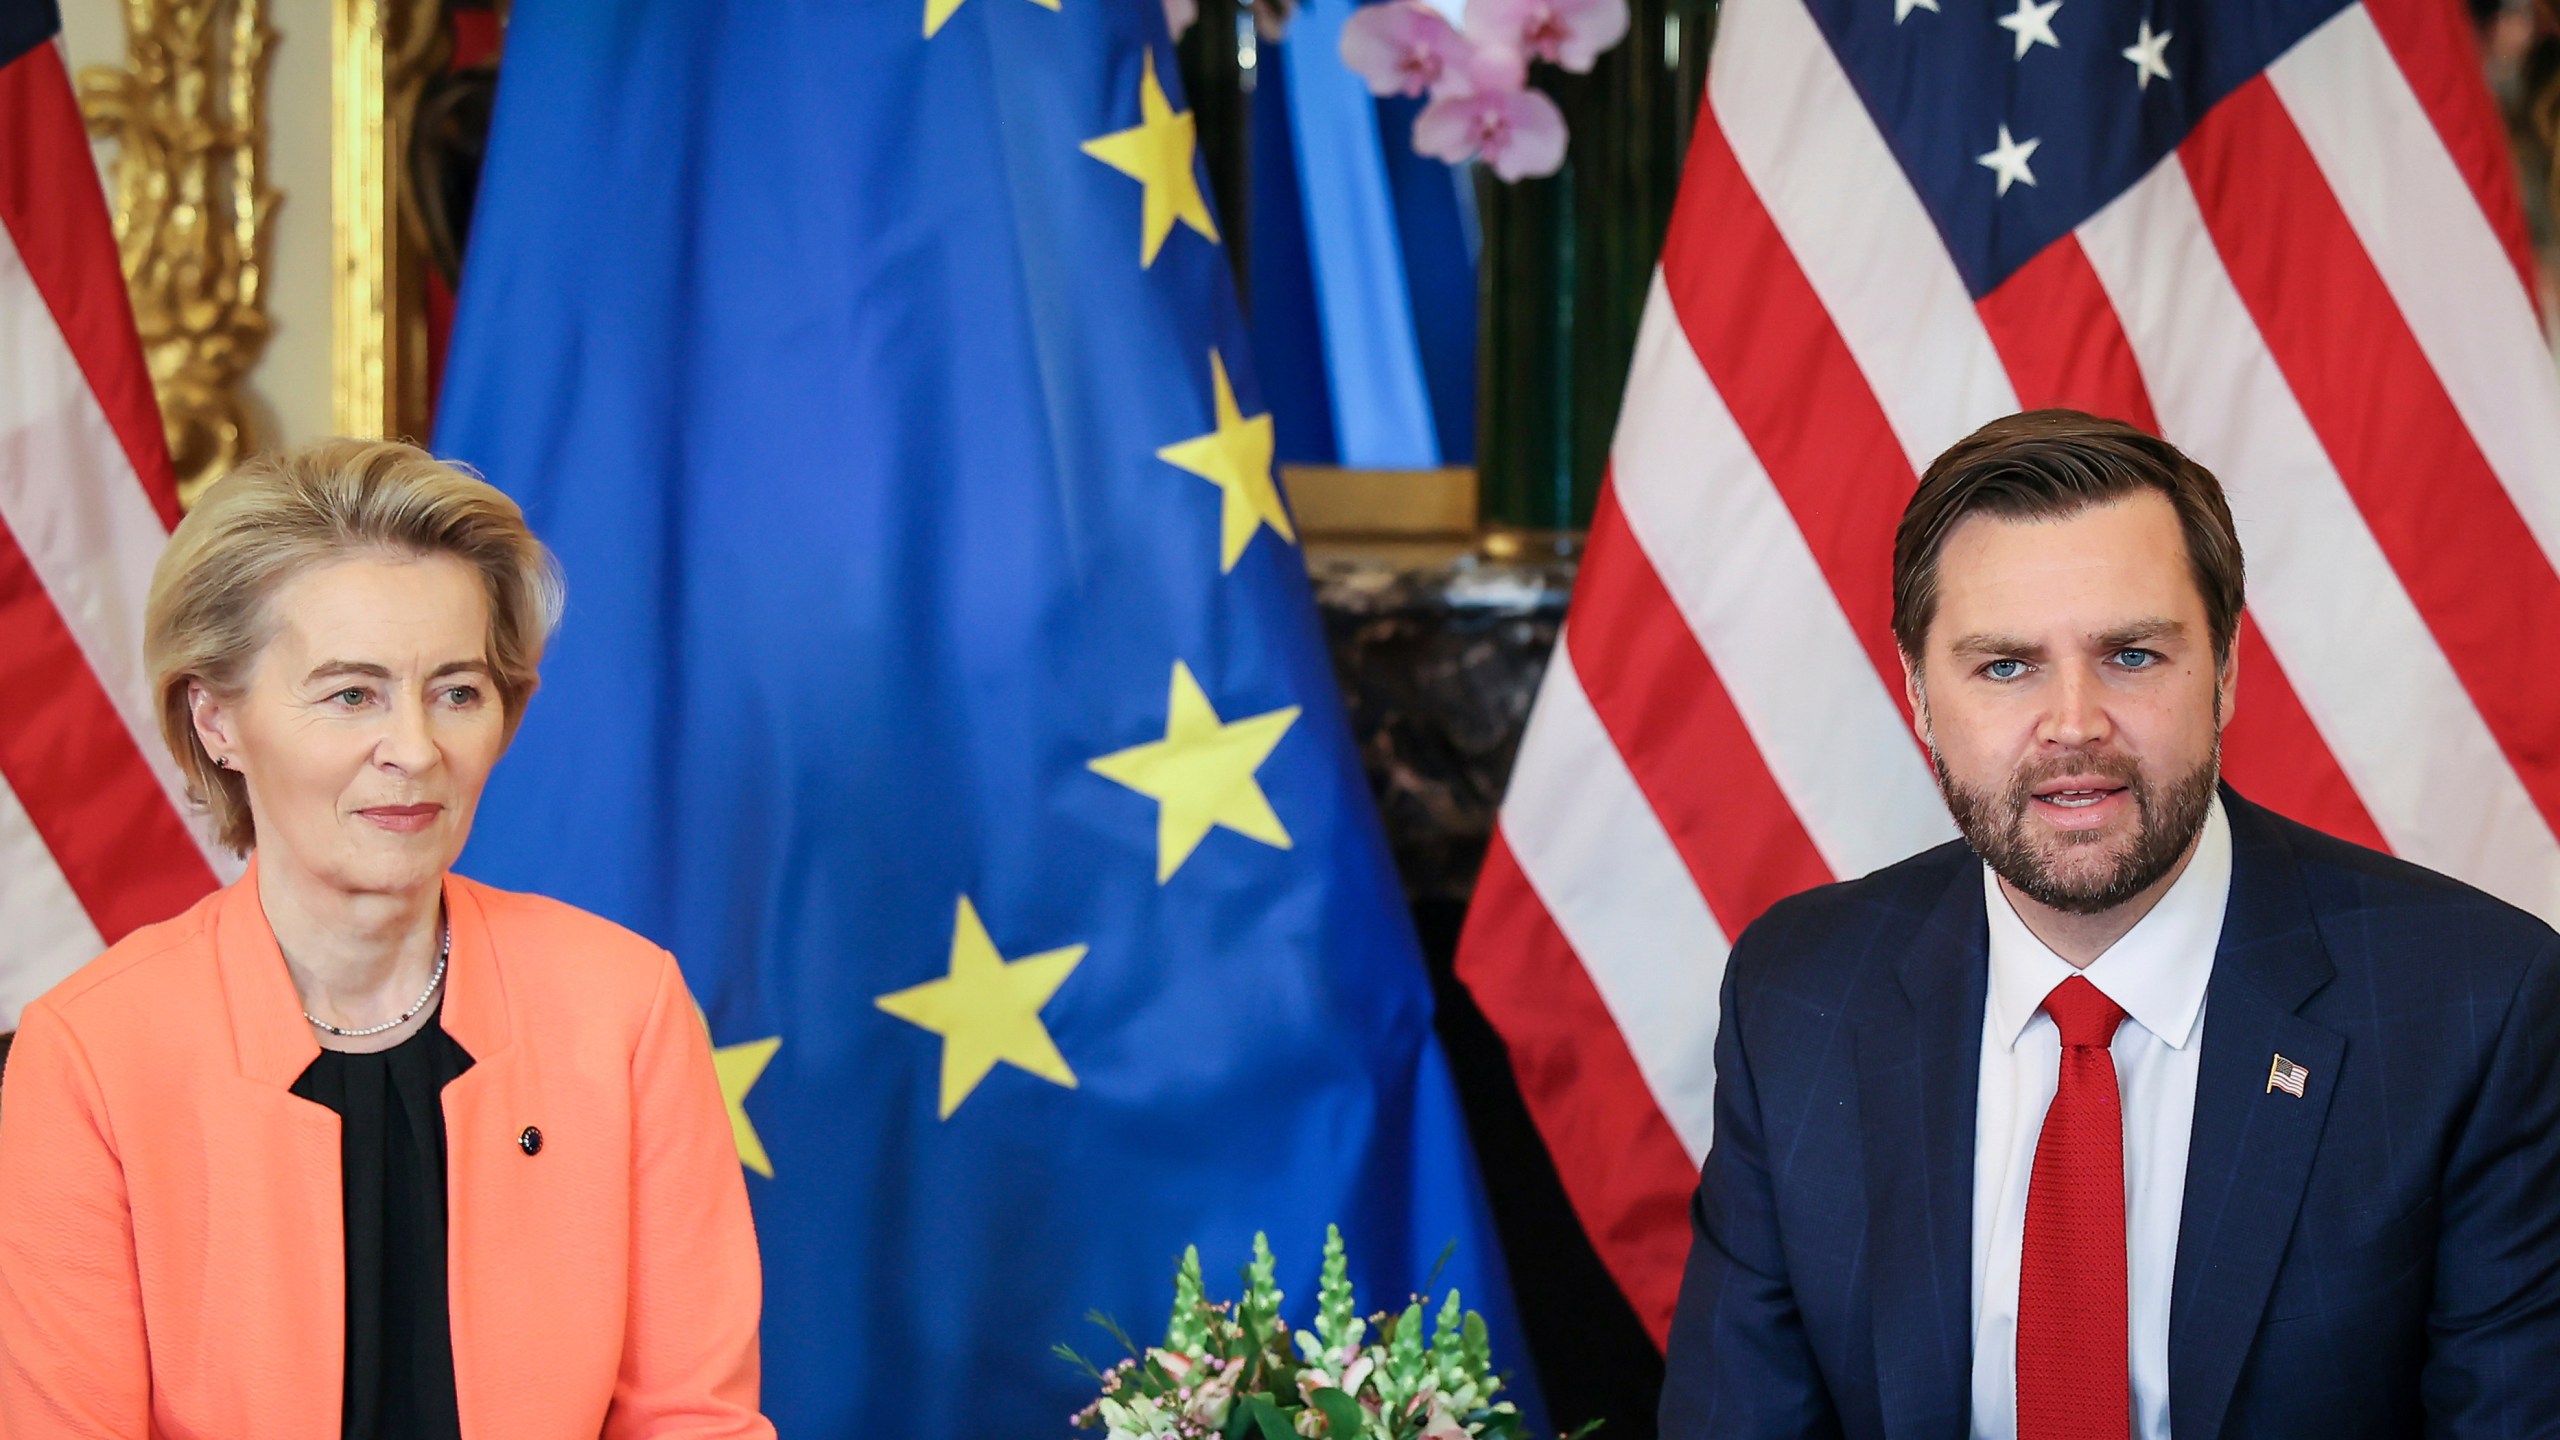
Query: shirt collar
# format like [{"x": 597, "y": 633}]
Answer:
[{"x": 2157, "y": 972}]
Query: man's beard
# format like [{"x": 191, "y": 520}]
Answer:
[{"x": 2167, "y": 820}]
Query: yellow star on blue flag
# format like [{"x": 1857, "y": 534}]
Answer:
[
  {"x": 987, "y": 1010},
  {"x": 1201, "y": 774},
  {"x": 738, "y": 1067},
  {"x": 1157, "y": 152},
  {"x": 1235, "y": 457}
]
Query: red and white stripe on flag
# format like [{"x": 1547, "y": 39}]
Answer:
[
  {"x": 94, "y": 839},
  {"x": 2321, "y": 294}
]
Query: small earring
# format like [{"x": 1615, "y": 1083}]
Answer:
[{"x": 221, "y": 762}]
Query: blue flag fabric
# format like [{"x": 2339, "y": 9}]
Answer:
[{"x": 941, "y": 683}]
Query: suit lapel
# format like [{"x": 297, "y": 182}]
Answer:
[
  {"x": 289, "y": 1209},
  {"x": 2250, "y": 1154},
  {"x": 491, "y": 1215},
  {"x": 1919, "y": 1056},
  {"x": 268, "y": 1035}
]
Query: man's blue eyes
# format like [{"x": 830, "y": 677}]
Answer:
[{"x": 2129, "y": 658}]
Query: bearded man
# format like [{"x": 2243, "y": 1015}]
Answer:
[{"x": 2141, "y": 1110}]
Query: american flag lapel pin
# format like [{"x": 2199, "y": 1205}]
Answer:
[{"x": 2286, "y": 1076}]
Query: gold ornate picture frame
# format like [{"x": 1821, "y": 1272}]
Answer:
[
  {"x": 382, "y": 53},
  {"x": 185, "y": 123},
  {"x": 186, "y": 115}
]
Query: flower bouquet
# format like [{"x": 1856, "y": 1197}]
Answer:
[{"x": 1235, "y": 1370}]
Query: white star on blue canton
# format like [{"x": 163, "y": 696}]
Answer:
[
  {"x": 2032, "y": 24},
  {"x": 2009, "y": 160},
  {"x": 2149, "y": 57},
  {"x": 1902, "y": 8}
]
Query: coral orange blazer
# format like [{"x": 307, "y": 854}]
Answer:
[{"x": 171, "y": 1225}]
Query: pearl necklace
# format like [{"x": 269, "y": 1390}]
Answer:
[{"x": 444, "y": 952}]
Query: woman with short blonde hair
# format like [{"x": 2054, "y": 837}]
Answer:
[
  {"x": 357, "y": 1145},
  {"x": 281, "y": 513}
]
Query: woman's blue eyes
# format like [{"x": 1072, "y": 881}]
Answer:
[{"x": 351, "y": 697}]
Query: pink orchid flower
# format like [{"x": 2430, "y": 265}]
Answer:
[
  {"x": 1570, "y": 33},
  {"x": 1480, "y": 69},
  {"x": 1402, "y": 48},
  {"x": 1520, "y": 133}
]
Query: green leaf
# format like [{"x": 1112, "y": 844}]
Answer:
[
  {"x": 1112, "y": 1328},
  {"x": 1341, "y": 1413},
  {"x": 1068, "y": 1354},
  {"x": 1267, "y": 1418},
  {"x": 1437, "y": 1265},
  {"x": 1585, "y": 1428}
]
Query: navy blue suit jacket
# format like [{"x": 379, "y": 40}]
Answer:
[{"x": 2380, "y": 1257}]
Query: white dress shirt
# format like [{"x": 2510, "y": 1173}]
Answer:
[{"x": 2157, "y": 975}]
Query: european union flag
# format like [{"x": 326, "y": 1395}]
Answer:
[{"x": 941, "y": 683}]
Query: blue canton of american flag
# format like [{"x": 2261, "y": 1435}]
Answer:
[
  {"x": 2057, "y": 108},
  {"x": 2283, "y": 233}
]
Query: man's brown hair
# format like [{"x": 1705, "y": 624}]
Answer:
[{"x": 2048, "y": 465}]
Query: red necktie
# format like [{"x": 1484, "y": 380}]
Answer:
[{"x": 2072, "y": 1350}]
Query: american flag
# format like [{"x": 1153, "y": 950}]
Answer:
[
  {"x": 93, "y": 839},
  {"x": 2283, "y": 233},
  {"x": 2285, "y": 1075}
]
